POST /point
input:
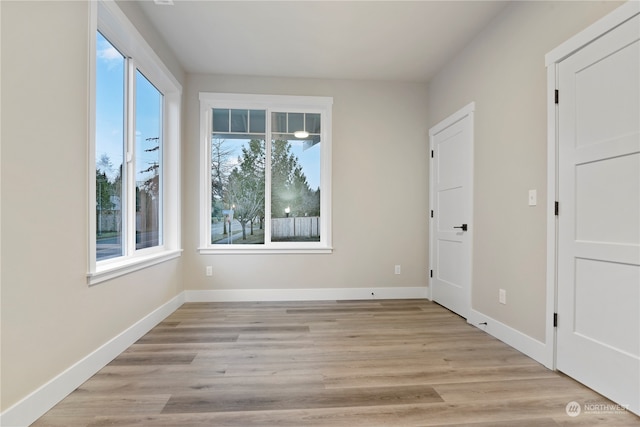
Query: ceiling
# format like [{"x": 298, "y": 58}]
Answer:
[{"x": 370, "y": 40}]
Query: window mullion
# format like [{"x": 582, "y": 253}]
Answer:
[
  {"x": 267, "y": 179},
  {"x": 205, "y": 212},
  {"x": 129, "y": 229}
]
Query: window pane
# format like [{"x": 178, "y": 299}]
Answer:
[
  {"x": 279, "y": 122},
  {"x": 295, "y": 189},
  {"x": 237, "y": 189},
  {"x": 312, "y": 122},
  {"x": 110, "y": 75},
  {"x": 220, "y": 120},
  {"x": 240, "y": 121},
  {"x": 148, "y": 162},
  {"x": 257, "y": 121},
  {"x": 296, "y": 122}
]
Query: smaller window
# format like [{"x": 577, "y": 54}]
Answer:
[
  {"x": 240, "y": 121},
  {"x": 312, "y": 123},
  {"x": 257, "y": 121},
  {"x": 221, "y": 120},
  {"x": 295, "y": 122},
  {"x": 279, "y": 122}
]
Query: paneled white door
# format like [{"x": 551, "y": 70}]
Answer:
[
  {"x": 598, "y": 333},
  {"x": 451, "y": 209}
]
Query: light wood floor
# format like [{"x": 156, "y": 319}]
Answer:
[{"x": 356, "y": 363}]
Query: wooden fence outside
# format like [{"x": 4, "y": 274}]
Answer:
[{"x": 302, "y": 226}]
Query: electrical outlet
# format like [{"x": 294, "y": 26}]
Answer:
[
  {"x": 502, "y": 296},
  {"x": 209, "y": 271},
  {"x": 397, "y": 269}
]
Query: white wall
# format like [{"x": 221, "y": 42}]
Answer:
[
  {"x": 50, "y": 318},
  {"x": 380, "y": 203},
  {"x": 503, "y": 71}
]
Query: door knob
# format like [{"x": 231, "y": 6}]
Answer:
[{"x": 463, "y": 226}]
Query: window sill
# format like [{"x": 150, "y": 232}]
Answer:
[
  {"x": 272, "y": 250},
  {"x": 129, "y": 265}
]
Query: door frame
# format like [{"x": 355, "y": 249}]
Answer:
[
  {"x": 467, "y": 110},
  {"x": 552, "y": 59}
]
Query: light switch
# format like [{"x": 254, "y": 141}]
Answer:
[{"x": 533, "y": 197}]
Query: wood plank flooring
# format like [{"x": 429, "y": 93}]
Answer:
[{"x": 328, "y": 363}]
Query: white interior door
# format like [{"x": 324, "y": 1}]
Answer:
[
  {"x": 598, "y": 335},
  {"x": 451, "y": 210}
]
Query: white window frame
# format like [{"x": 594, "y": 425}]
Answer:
[
  {"x": 270, "y": 103},
  {"x": 106, "y": 17}
]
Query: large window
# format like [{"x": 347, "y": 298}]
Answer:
[
  {"x": 135, "y": 127},
  {"x": 266, "y": 171}
]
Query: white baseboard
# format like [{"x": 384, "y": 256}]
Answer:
[
  {"x": 316, "y": 294},
  {"x": 36, "y": 404},
  {"x": 538, "y": 351}
]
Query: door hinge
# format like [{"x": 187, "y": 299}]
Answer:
[
  {"x": 430, "y": 273},
  {"x": 557, "y": 96},
  {"x": 555, "y": 320},
  {"x": 432, "y": 154},
  {"x": 431, "y": 213},
  {"x": 557, "y": 208}
]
